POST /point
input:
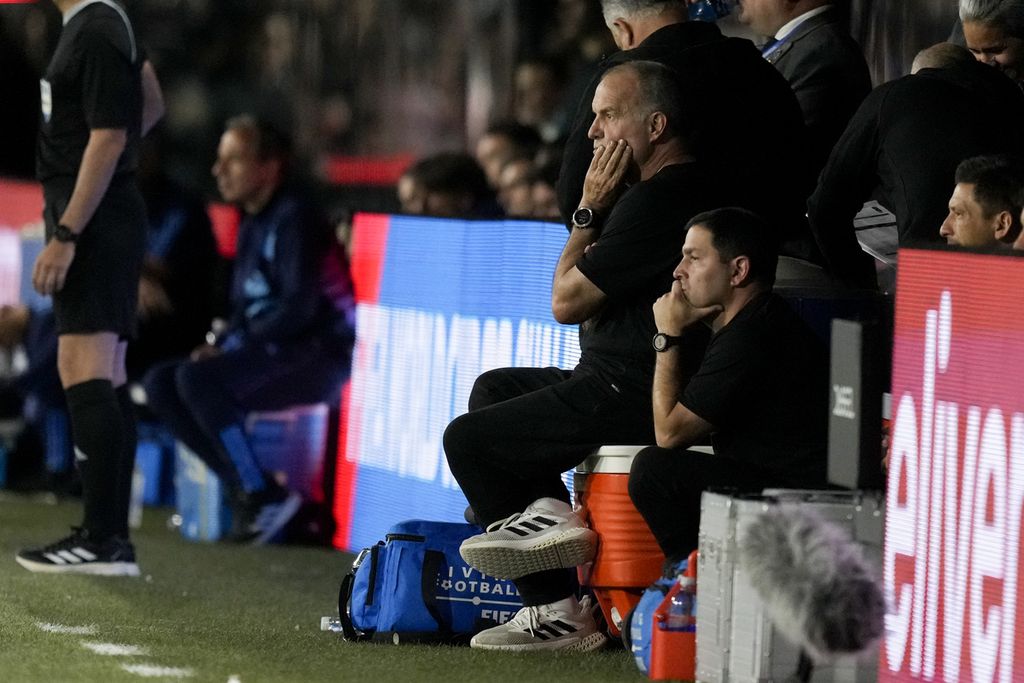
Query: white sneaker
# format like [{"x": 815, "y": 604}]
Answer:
[
  {"x": 564, "y": 625},
  {"x": 547, "y": 535}
]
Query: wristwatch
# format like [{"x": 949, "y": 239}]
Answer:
[
  {"x": 65, "y": 234},
  {"x": 663, "y": 342},
  {"x": 583, "y": 218}
]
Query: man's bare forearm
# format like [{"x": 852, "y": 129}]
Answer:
[
  {"x": 574, "y": 298},
  {"x": 98, "y": 164},
  {"x": 666, "y": 388},
  {"x": 573, "y": 250}
]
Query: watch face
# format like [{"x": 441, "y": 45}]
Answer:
[
  {"x": 583, "y": 217},
  {"x": 660, "y": 341}
]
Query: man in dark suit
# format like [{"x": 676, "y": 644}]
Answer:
[
  {"x": 748, "y": 129},
  {"x": 810, "y": 46},
  {"x": 906, "y": 141}
]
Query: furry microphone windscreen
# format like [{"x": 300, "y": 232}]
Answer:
[{"x": 816, "y": 586}]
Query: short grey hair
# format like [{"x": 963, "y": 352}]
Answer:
[
  {"x": 659, "y": 91},
  {"x": 638, "y": 8},
  {"x": 941, "y": 56},
  {"x": 1005, "y": 14}
]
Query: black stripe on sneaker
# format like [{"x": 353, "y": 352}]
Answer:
[
  {"x": 531, "y": 526},
  {"x": 567, "y": 628},
  {"x": 537, "y": 634},
  {"x": 518, "y": 532},
  {"x": 544, "y": 520}
]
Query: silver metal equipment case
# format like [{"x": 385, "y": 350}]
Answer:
[{"x": 736, "y": 642}]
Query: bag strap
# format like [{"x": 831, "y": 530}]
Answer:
[
  {"x": 348, "y": 630},
  {"x": 434, "y": 563}
]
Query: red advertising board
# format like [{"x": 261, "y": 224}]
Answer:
[
  {"x": 21, "y": 210},
  {"x": 955, "y": 499}
]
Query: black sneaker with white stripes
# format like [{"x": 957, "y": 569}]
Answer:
[
  {"x": 566, "y": 625},
  {"x": 260, "y": 518},
  {"x": 547, "y": 535},
  {"x": 79, "y": 554}
]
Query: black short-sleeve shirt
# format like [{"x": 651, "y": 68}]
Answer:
[
  {"x": 763, "y": 385},
  {"x": 632, "y": 263},
  {"x": 93, "y": 81}
]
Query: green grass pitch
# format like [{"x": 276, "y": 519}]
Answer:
[{"x": 218, "y": 613}]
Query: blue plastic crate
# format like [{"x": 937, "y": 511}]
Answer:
[
  {"x": 204, "y": 513},
  {"x": 290, "y": 444}
]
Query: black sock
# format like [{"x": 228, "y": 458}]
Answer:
[
  {"x": 98, "y": 431},
  {"x": 126, "y": 465},
  {"x": 542, "y": 588}
]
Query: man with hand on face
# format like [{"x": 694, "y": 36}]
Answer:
[
  {"x": 747, "y": 128},
  {"x": 985, "y": 209},
  {"x": 761, "y": 392},
  {"x": 525, "y": 426}
]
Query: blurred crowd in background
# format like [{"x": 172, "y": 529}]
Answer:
[{"x": 381, "y": 79}]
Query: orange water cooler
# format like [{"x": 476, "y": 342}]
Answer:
[{"x": 628, "y": 558}]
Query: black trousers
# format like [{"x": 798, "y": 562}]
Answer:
[
  {"x": 665, "y": 485},
  {"x": 525, "y": 426},
  {"x": 199, "y": 399}
]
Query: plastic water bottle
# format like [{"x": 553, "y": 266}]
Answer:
[
  {"x": 332, "y": 624},
  {"x": 682, "y": 610},
  {"x": 709, "y": 10},
  {"x": 674, "y": 636}
]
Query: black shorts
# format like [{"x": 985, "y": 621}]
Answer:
[{"x": 101, "y": 291}]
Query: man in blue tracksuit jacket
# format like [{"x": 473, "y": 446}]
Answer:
[{"x": 289, "y": 338}]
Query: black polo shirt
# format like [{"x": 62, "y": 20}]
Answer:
[
  {"x": 763, "y": 385},
  {"x": 748, "y": 129},
  {"x": 632, "y": 263},
  {"x": 93, "y": 81}
]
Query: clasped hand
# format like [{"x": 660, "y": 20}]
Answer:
[{"x": 673, "y": 312}]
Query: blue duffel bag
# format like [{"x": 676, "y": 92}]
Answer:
[{"x": 415, "y": 587}]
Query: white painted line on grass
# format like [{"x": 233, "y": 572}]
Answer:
[
  {"x": 154, "y": 671},
  {"x": 115, "y": 649},
  {"x": 61, "y": 628}
]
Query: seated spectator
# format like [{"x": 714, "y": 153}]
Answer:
[
  {"x": 905, "y": 141},
  {"x": 539, "y": 88},
  {"x": 761, "y": 392},
  {"x": 984, "y": 211},
  {"x": 447, "y": 185},
  {"x": 515, "y": 188},
  {"x": 543, "y": 192},
  {"x": 525, "y": 426},
  {"x": 503, "y": 142},
  {"x": 289, "y": 338},
  {"x": 994, "y": 33},
  {"x": 812, "y": 48},
  {"x": 758, "y": 156}
]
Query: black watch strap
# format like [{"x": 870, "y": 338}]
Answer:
[
  {"x": 65, "y": 234},
  {"x": 663, "y": 342}
]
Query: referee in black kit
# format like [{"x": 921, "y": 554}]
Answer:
[{"x": 98, "y": 97}]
